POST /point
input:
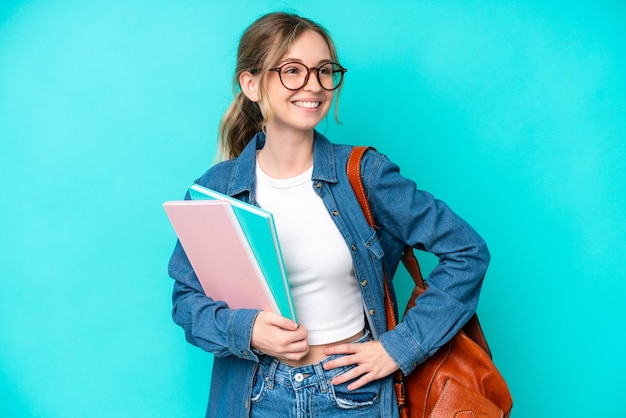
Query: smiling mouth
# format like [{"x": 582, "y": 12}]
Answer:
[{"x": 307, "y": 105}]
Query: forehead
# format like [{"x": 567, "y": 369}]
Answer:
[{"x": 309, "y": 46}]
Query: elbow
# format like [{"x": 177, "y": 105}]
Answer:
[{"x": 484, "y": 256}]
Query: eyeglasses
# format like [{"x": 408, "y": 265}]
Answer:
[{"x": 295, "y": 75}]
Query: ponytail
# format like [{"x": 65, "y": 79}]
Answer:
[{"x": 241, "y": 121}]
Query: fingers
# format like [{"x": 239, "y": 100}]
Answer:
[
  {"x": 279, "y": 337},
  {"x": 348, "y": 358},
  {"x": 370, "y": 358},
  {"x": 279, "y": 321},
  {"x": 295, "y": 352},
  {"x": 341, "y": 349},
  {"x": 360, "y": 372},
  {"x": 362, "y": 381}
]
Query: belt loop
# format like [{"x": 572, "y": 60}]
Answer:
[
  {"x": 321, "y": 377},
  {"x": 271, "y": 374}
]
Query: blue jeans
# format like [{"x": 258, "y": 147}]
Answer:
[{"x": 280, "y": 390}]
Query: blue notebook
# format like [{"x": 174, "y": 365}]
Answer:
[{"x": 260, "y": 230}]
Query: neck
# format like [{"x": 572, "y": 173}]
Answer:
[{"x": 286, "y": 155}]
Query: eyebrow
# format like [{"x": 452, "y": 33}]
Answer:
[{"x": 286, "y": 60}]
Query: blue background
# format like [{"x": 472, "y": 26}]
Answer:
[{"x": 513, "y": 112}]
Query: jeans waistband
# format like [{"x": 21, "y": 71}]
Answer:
[{"x": 277, "y": 372}]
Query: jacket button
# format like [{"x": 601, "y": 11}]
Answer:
[
  {"x": 372, "y": 312},
  {"x": 353, "y": 247},
  {"x": 363, "y": 282},
  {"x": 318, "y": 185},
  {"x": 335, "y": 213}
]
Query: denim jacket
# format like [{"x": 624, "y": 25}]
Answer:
[{"x": 404, "y": 215}]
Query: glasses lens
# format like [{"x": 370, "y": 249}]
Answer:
[
  {"x": 330, "y": 75},
  {"x": 293, "y": 75}
]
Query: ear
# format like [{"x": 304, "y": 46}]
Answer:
[{"x": 250, "y": 85}]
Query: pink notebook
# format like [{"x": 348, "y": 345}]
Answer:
[{"x": 219, "y": 253}]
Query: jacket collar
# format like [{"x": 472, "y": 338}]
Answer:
[{"x": 244, "y": 174}]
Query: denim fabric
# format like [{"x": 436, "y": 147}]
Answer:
[
  {"x": 404, "y": 214},
  {"x": 283, "y": 391}
]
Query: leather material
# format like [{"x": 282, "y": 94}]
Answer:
[
  {"x": 456, "y": 400},
  {"x": 460, "y": 380}
]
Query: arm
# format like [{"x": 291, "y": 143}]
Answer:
[
  {"x": 408, "y": 215},
  {"x": 414, "y": 217}
]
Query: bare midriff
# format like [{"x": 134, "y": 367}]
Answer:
[{"x": 316, "y": 352}]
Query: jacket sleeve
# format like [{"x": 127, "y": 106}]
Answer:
[
  {"x": 414, "y": 217},
  {"x": 208, "y": 324}
]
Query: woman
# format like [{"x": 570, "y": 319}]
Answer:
[{"x": 338, "y": 360}]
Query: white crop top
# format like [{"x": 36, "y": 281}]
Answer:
[{"x": 319, "y": 267}]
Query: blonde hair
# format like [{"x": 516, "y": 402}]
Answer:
[{"x": 262, "y": 46}]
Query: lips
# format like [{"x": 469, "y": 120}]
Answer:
[{"x": 307, "y": 104}]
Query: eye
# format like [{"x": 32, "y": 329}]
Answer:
[
  {"x": 326, "y": 70},
  {"x": 292, "y": 69}
]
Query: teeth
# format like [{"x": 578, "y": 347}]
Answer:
[{"x": 309, "y": 105}]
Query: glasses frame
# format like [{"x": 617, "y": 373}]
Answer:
[{"x": 341, "y": 70}]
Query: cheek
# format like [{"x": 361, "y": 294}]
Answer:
[{"x": 329, "y": 100}]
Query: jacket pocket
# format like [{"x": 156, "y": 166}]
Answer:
[{"x": 374, "y": 246}]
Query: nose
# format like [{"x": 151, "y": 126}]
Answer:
[{"x": 314, "y": 85}]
